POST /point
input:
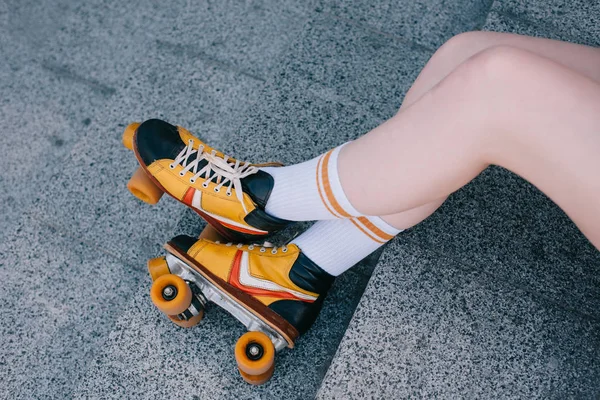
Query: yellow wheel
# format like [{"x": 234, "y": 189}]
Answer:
[
  {"x": 255, "y": 357},
  {"x": 195, "y": 320},
  {"x": 258, "y": 379},
  {"x": 142, "y": 187},
  {"x": 158, "y": 267},
  {"x": 170, "y": 294},
  {"x": 128, "y": 135}
]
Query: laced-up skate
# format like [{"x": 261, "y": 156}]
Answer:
[
  {"x": 227, "y": 193},
  {"x": 276, "y": 293}
]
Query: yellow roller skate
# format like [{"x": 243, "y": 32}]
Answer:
[
  {"x": 228, "y": 194},
  {"x": 276, "y": 293}
]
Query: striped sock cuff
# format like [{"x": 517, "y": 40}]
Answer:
[
  {"x": 330, "y": 188},
  {"x": 336, "y": 245},
  {"x": 375, "y": 228}
]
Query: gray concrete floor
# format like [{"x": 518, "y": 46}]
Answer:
[{"x": 497, "y": 295}]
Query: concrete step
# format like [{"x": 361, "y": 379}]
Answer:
[
  {"x": 429, "y": 327},
  {"x": 495, "y": 296}
]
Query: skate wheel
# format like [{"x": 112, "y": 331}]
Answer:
[
  {"x": 195, "y": 320},
  {"x": 258, "y": 379},
  {"x": 128, "y": 135},
  {"x": 158, "y": 267},
  {"x": 142, "y": 187},
  {"x": 170, "y": 294},
  {"x": 255, "y": 355}
]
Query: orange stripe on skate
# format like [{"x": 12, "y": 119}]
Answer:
[
  {"x": 243, "y": 230},
  {"x": 234, "y": 280},
  {"x": 327, "y": 187},
  {"x": 189, "y": 196}
]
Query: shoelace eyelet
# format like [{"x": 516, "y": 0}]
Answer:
[
  {"x": 192, "y": 180},
  {"x": 284, "y": 250},
  {"x": 239, "y": 245},
  {"x": 220, "y": 168},
  {"x": 229, "y": 244},
  {"x": 262, "y": 250},
  {"x": 182, "y": 173},
  {"x": 251, "y": 247},
  {"x": 274, "y": 251},
  {"x": 217, "y": 190}
]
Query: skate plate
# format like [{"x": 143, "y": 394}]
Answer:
[{"x": 209, "y": 292}]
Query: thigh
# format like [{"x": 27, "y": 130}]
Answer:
[
  {"x": 582, "y": 59},
  {"x": 504, "y": 106}
]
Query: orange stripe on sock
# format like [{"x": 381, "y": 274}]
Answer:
[
  {"x": 319, "y": 189},
  {"x": 327, "y": 187},
  {"x": 382, "y": 235},
  {"x": 353, "y": 220}
]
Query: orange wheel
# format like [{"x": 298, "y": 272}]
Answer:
[
  {"x": 254, "y": 353},
  {"x": 158, "y": 267},
  {"x": 258, "y": 379},
  {"x": 142, "y": 187},
  {"x": 128, "y": 135},
  {"x": 170, "y": 294},
  {"x": 195, "y": 320}
]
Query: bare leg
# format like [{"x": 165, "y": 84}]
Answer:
[
  {"x": 503, "y": 106},
  {"x": 582, "y": 59}
]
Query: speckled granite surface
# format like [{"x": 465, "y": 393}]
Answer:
[
  {"x": 427, "y": 327},
  {"x": 495, "y": 296}
]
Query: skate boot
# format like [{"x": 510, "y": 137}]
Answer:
[
  {"x": 276, "y": 293},
  {"x": 228, "y": 194}
]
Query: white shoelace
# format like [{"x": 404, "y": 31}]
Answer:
[
  {"x": 263, "y": 248},
  {"x": 216, "y": 167}
]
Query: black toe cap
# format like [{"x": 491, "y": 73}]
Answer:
[
  {"x": 183, "y": 242},
  {"x": 156, "y": 140}
]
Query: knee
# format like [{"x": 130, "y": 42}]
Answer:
[
  {"x": 499, "y": 68},
  {"x": 462, "y": 46},
  {"x": 475, "y": 48},
  {"x": 462, "y": 41}
]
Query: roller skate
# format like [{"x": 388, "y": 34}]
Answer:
[
  {"x": 276, "y": 293},
  {"x": 229, "y": 194}
]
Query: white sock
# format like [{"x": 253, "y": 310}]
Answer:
[
  {"x": 338, "y": 245},
  {"x": 309, "y": 191}
]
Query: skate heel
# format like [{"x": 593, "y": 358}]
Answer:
[{"x": 144, "y": 188}]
